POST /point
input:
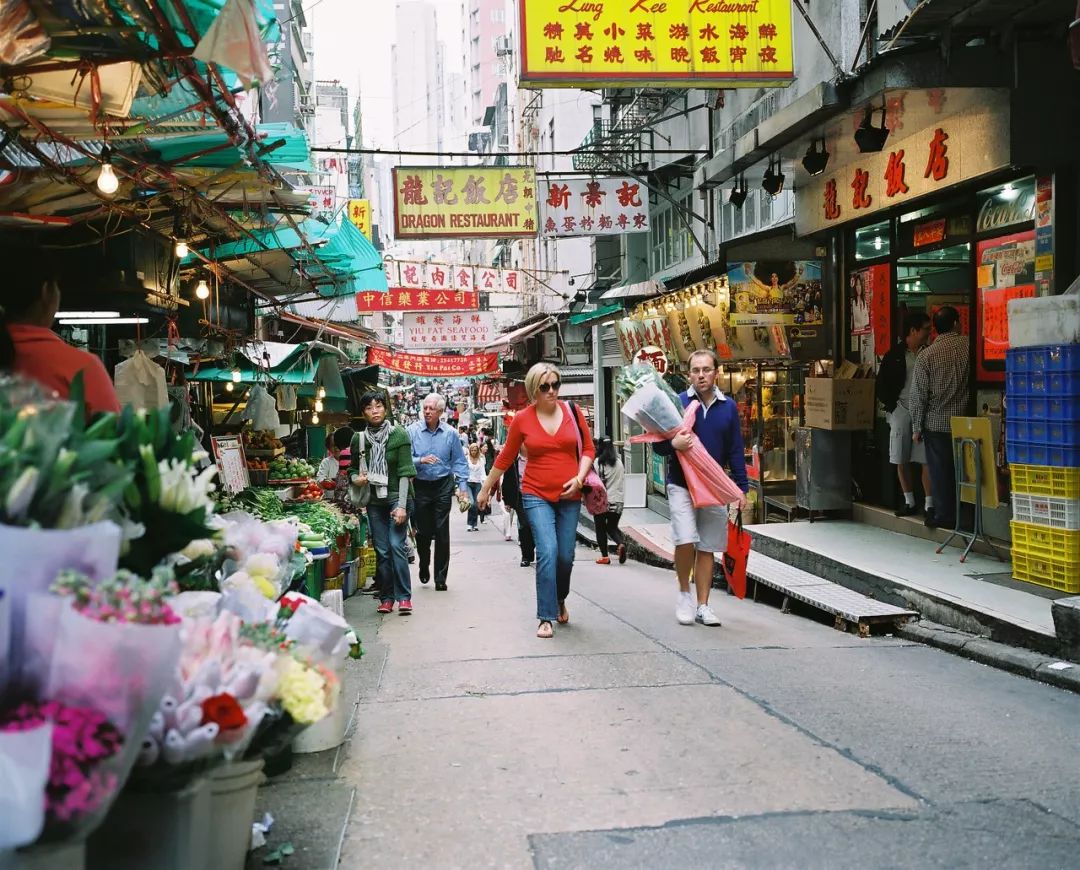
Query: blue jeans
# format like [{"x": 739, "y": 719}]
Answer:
[
  {"x": 474, "y": 513},
  {"x": 391, "y": 553},
  {"x": 554, "y": 528}
]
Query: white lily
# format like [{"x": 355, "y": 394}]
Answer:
[
  {"x": 72, "y": 514},
  {"x": 22, "y": 493},
  {"x": 181, "y": 491}
]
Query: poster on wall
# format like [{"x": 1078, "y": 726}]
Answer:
[
  {"x": 786, "y": 292},
  {"x": 869, "y": 304},
  {"x": 936, "y": 303},
  {"x": 1005, "y": 269}
]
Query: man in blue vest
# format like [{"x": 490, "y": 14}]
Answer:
[{"x": 700, "y": 533}]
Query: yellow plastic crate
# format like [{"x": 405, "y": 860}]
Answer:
[
  {"x": 1060, "y": 574},
  {"x": 1045, "y": 542},
  {"x": 1046, "y": 480}
]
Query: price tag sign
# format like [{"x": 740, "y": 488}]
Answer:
[{"x": 231, "y": 463}]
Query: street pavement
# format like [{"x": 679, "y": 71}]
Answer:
[{"x": 631, "y": 741}]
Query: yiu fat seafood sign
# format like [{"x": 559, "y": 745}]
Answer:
[
  {"x": 441, "y": 330},
  {"x": 656, "y": 43}
]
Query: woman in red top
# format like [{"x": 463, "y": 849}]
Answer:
[
  {"x": 29, "y": 300},
  {"x": 551, "y": 488}
]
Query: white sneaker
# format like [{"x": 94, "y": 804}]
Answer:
[
  {"x": 706, "y": 616},
  {"x": 684, "y": 609}
]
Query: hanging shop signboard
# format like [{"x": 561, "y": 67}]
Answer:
[
  {"x": 323, "y": 201},
  {"x": 953, "y": 149},
  {"x": 767, "y": 292},
  {"x": 421, "y": 275},
  {"x": 428, "y": 366},
  {"x": 631, "y": 334},
  {"x": 448, "y": 330},
  {"x": 360, "y": 215},
  {"x": 646, "y": 43},
  {"x": 406, "y": 299},
  {"x": 653, "y": 356},
  {"x": 459, "y": 202},
  {"x": 573, "y": 206}
]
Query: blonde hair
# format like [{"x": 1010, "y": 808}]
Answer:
[
  {"x": 473, "y": 447},
  {"x": 535, "y": 375}
]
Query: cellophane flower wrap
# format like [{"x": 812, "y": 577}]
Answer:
[{"x": 654, "y": 406}]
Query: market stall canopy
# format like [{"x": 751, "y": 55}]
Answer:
[
  {"x": 642, "y": 289},
  {"x": 519, "y": 334},
  {"x": 583, "y": 317},
  {"x": 282, "y": 362}
]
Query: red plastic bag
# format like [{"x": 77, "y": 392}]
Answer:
[{"x": 736, "y": 556}]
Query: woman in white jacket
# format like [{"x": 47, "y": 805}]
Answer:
[{"x": 612, "y": 473}]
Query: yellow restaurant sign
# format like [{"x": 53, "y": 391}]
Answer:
[
  {"x": 454, "y": 202},
  {"x": 659, "y": 43},
  {"x": 360, "y": 215}
]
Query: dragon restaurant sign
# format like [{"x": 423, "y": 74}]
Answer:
[
  {"x": 464, "y": 202},
  {"x": 656, "y": 43},
  {"x": 951, "y": 149}
]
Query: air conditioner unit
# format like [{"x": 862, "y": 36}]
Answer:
[{"x": 503, "y": 46}]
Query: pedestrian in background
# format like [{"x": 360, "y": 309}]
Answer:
[
  {"x": 551, "y": 432},
  {"x": 381, "y": 459},
  {"x": 611, "y": 471},
  {"x": 477, "y": 474},
  {"x": 440, "y": 469},
  {"x": 511, "y": 496}
]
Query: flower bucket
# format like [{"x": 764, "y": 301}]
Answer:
[
  {"x": 327, "y": 733},
  {"x": 165, "y": 830},
  {"x": 232, "y": 811},
  {"x": 70, "y": 856}
]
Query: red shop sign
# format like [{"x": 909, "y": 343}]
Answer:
[
  {"x": 434, "y": 366},
  {"x": 407, "y": 299}
]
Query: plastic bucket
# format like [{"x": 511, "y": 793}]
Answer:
[
  {"x": 165, "y": 830},
  {"x": 328, "y": 733},
  {"x": 232, "y": 812}
]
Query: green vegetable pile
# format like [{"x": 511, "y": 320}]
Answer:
[
  {"x": 258, "y": 501},
  {"x": 324, "y": 519},
  {"x": 290, "y": 469}
]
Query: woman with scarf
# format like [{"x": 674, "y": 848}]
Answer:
[{"x": 382, "y": 464}]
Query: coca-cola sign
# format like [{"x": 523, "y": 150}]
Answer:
[{"x": 1006, "y": 205}]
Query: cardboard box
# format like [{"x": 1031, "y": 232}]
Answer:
[{"x": 840, "y": 404}]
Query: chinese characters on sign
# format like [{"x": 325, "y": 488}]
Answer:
[
  {"x": 447, "y": 202},
  {"x": 575, "y": 206},
  {"x": 1005, "y": 270},
  {"x": 869, "y": 311},
  {"x": 913, "y": 163},
  {"x": 360, "y": 215},
  {"x": 419, "y": 275},
  {"x": 659, "y": 43},
  {"x": 405, "y": 299},
  {"x": 323, "y": 201},
  {"x": 427, "y": 366},
  {"x": 448, "y": 329}
]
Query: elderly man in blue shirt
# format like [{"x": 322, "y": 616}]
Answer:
[{"x": 440, "y": 461}]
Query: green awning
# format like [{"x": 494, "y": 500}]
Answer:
[{"x": 600, "y": 313}]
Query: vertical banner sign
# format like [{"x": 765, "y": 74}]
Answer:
[
  {"x": 448, "y": 330},
  {"x": 423, "y": 365},
  {"x": 455, "y": 202},
  {"x": 402, "y": 299},
  {"x": 870, "y": 306},
  {"x": 631, "y": 335},
  {"x": 360, "y": 215},
  {"x": 593, "y": 207},
  {"x": 674, "y": 43},
  {"x": 1005, "y": 269}
]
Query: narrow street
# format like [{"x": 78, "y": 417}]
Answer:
[{"x": 632, "y": 741}]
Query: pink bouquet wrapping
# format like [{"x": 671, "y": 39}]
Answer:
[{"x": 658, "y": 411}]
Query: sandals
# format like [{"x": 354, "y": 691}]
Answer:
[
  {"x": 545, "y": 630},
  {"x": 564, "y": 614}
]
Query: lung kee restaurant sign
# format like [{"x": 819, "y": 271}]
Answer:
[
  {"x": 656, "y": 43},
  {"x": 954, "y": 148},
  {"x": 419, "y": 275},
  {"x": 406, "y": 299},
  {"x": 427, "y": 366},
  {"x": 455, "y": 202}
]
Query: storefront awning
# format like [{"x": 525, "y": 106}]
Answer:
[
  {"x": 599, "y": 314},
  {"x": 519, "y": 334},
  {"x": 642, "y": 289}
]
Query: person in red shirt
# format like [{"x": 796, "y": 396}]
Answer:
[
  {"x": 551, "y": 487},
  {"x": 29, "y": 300}
]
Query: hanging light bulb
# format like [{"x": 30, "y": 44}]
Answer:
[
  {"x": 202, "y": 289},
  {"x": 107, "y": 181},
  {"x": 228, "y": 387},
  {"x": 877, "y": 243},
  {"x": 322, "y": 392},
  {"x": 236, "y": 376},
  {"x": 318, "y": 406},
  {"x": 181, "y": 249},
  {"x": 314, "y": 419}
]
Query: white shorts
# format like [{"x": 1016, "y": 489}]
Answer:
[
  {"x": 902, "y": 448},
  {"x": 705, "y": 528}
]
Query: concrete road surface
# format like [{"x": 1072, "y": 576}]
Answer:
[{"x": 631, "y": 741}]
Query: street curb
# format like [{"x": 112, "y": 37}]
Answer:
[{"x": 1024, "y": 663}]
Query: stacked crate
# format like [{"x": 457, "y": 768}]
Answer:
[{"x": 1043, "y": 449}]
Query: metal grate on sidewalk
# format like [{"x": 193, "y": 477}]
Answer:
[{"x": 846, "y": 605}]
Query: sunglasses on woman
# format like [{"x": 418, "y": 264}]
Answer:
[{"x": 554, "y": 385}]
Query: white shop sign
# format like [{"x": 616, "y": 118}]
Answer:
[
  {"x": 450, "y": 330},
  {"x": 575, "y": 206}
]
